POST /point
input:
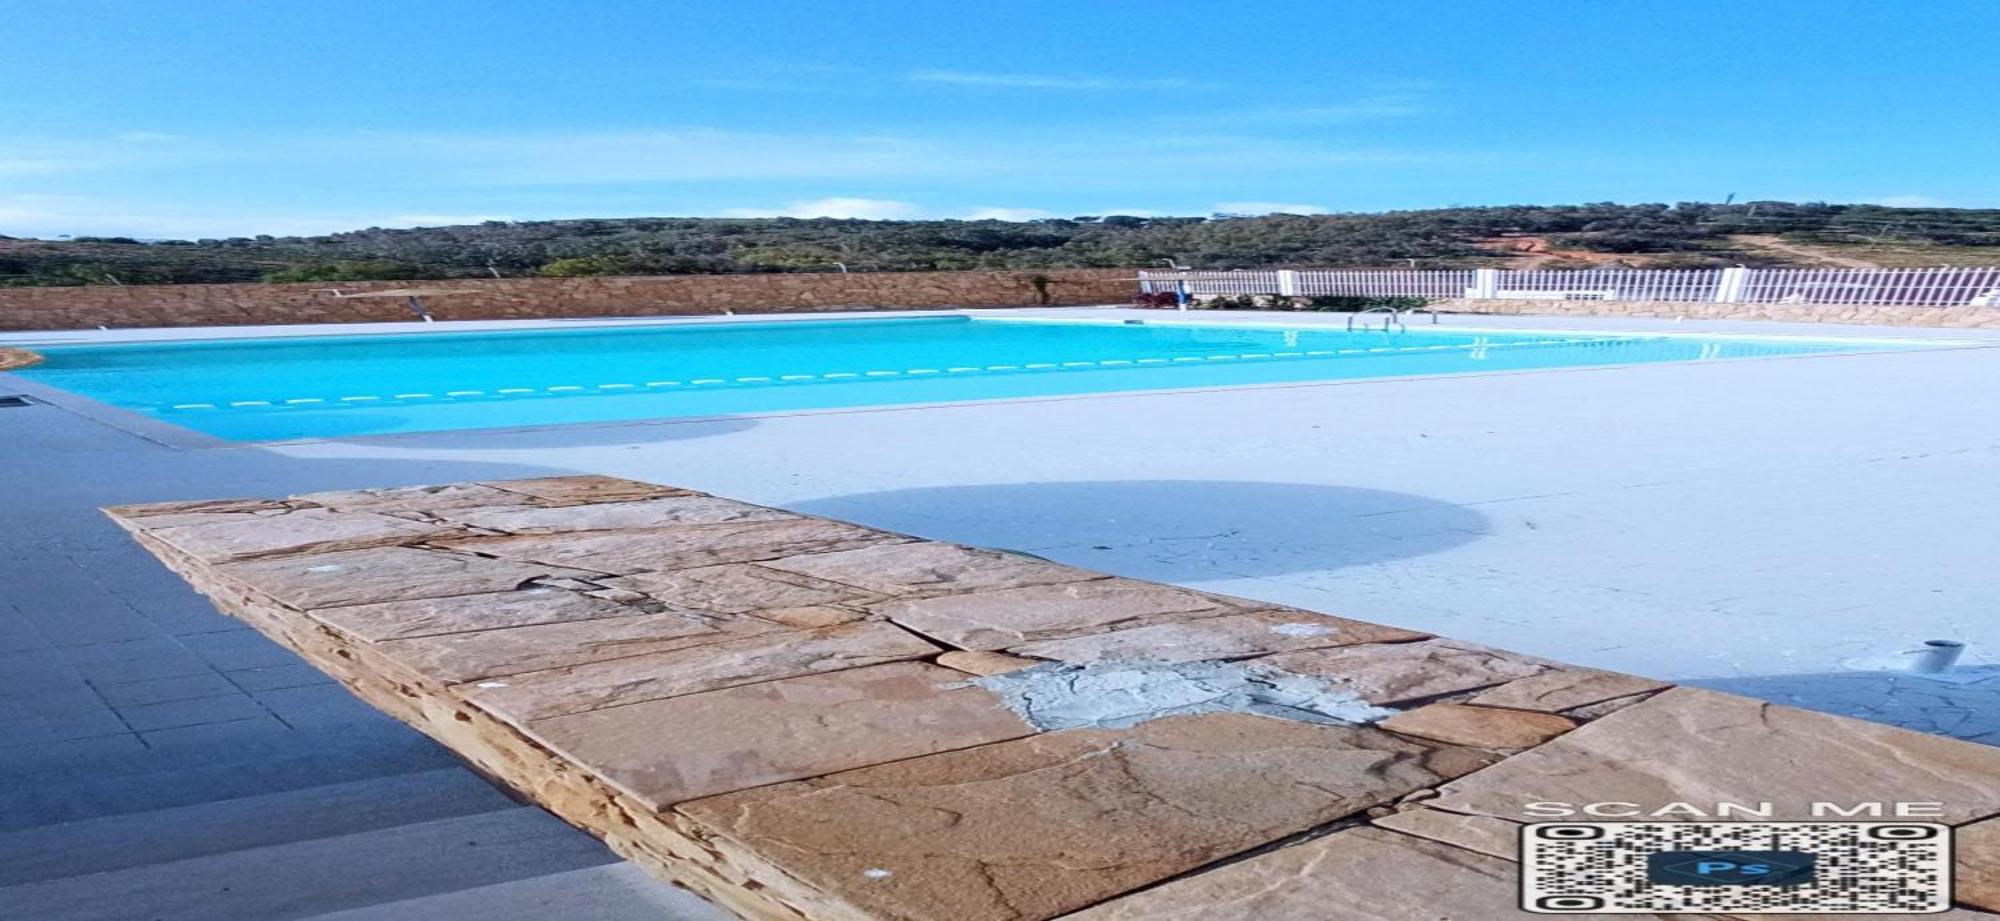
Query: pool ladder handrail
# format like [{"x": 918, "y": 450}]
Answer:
[
  {"x": 1391, "y": 317},
  {"x": 1424, "y": 309}
]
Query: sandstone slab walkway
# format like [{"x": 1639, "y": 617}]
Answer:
[{"x": 803, "y": 718}]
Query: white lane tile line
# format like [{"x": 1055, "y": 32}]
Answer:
[{"x": 1481, "y": 345}]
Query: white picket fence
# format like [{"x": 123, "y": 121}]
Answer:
[{"x": 1938, "y": 287}]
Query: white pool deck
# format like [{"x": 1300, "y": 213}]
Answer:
[{"x": 1781, "y": 528}]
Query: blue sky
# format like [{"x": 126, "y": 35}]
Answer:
[{"x": 216, "y": 118}]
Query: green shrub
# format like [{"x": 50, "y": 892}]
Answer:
[
  {"x": 1354, "y": 302},
  {"x": 347, "y": 270},
  {"x": 577, "y": 267}
]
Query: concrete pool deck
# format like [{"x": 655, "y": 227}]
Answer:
[{"x": 1769, "y": 527}]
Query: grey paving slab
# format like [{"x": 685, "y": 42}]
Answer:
[
  {"x": 218, "y": 736},
  {"x": 237, "y": 649},
  {"x": 619, "y": 892},
  {"x": 304, "y": 878},
  {"x": 56, "y": 716},
  {"x": 84, "y": 795},
  {"x": 198, "y": 711},
  {"x": 35, "y": 671},
  {"x": 163, "y": 690},
  {"x": 163, "y": 835},
  {"x": 19, "y": 763},
  {"x": 17, "y": 634},
  {"x": 315, "y": 705},
  {"x": 207, "y": 746},
  {"x": 134, "y": 660}
]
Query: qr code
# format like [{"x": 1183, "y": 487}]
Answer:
[{"x": 1756, "y": 867}]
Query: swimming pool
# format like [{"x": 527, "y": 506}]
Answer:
[{"x": 335, "y": 386}]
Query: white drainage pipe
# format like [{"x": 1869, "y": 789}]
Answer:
[{"x": 1937, "y": 657}]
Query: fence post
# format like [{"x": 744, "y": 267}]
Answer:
[
  {"x": 1729, "y": 289},
  {"x": 1288, "y": 282},
  {"x": 1485, "y": 284}
]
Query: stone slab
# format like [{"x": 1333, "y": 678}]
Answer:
[
  {"x": 1361, "y": 874},
  {"x": 1036, "y": 827},
  {"x": 609, "y": 516},
  {"x": 241, "y": 536},
  {"x": 1397, "y": 674},
  {"x": 1566, "y": 688},
  {"x": 522, "y": 698},
  {"x": 157, "y": 509},
  {"x": 1480, "y": 727},
  {"x": 412, "y": 500},
  {"x": 1482, "y": 833},
  {"x": 1228, "y": 636},
  {"x": 627, "y": 552},
  {"x": 812, "y": 616},
  {"x": 663, "y": 752},
  {"x": 1689, "y": 745},
  {"x": 392, "y": 620},
  {"x": 929, "y": 567},
  {"x": 588, "y": 487},
  {"x": 385, "y": 574},
  {"x": 1977, "y": 847},
  {"x": 738, "y": 588},
  {"x": 1003, "y": 618},
  {"x": 461, "y": 657},
  {"x": 1604, "y": 707}
]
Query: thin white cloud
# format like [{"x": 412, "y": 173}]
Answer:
[
  {"x": 1268, "y": 207},
  {"x": 872, "y": 209},
  {"x": 150, "y": 188},
  {"x": 707, "y": 155},
  {"x": 685, "y": 155},
  {"x": 32, "y": 166},
  {"x": 442, "y": 220},
  {"x": 1049, "y": 81},
  {"x": 1365, "y": 108},
  {"x": 51, "y": 216},
  {"x": 1008, "y": 214},
  {"x": 50, "y": 159}
]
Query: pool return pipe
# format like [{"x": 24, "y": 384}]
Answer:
[{"x": 1936, "y": 657}]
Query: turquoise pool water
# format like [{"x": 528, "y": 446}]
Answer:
[{"x": 335, "y": 386}]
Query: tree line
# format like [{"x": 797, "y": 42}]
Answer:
[{"x": 1688, "y": 234}]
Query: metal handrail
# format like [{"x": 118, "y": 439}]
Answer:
[
  {"x": 1424, "y": 309},
  {"x": 1391, "y": 318}
]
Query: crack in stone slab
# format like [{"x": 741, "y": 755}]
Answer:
[{"x": 1119, "y": 695}]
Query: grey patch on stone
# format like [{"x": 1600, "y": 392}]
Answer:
[
  {"x": 1119, "y": 695},
  {"x": 1302, "y": 630}
]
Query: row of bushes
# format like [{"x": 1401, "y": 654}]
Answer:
[{"x": 1336, "y": 303}]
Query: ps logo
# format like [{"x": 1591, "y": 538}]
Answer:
[{"x": 1729, "y": 868}]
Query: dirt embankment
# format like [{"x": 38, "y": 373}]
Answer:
[
  {"x": 1528, "y": 251},
  {"x": 1802, "y": 254}
]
